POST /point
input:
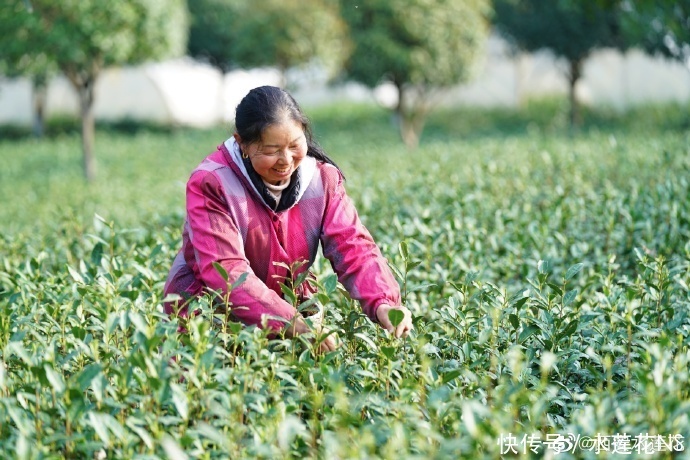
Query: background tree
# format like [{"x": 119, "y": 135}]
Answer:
[
  {"x": 661, "y": 28},
  {"x": 211, "y": 38},
  {"x": 17, "y": 27},
  {"x": 570, "y": 29},
  {"x": 258, "y": 33},
  {"x": 85, "y": 36},
  {"x": 420, "y": 46}
]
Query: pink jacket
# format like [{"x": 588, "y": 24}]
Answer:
[{"x": 229, "y": 223}]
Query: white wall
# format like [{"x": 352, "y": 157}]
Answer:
[
  {"x": 186, "y": 92},
  {"x": 610, "y": 78},
  {"x": 15, "y": 101}
]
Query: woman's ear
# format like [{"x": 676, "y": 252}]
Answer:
[{"x": 238, "y": 139}]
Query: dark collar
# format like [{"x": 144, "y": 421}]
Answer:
[{"x": 287, "y": 199}]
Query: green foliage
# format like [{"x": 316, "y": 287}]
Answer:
[
  {"x": 415, "y": 42},
  {"x": 660, "y": 28},
  {"x": 83, "y": 37},
  {"x": 210, "y": 34},
  {"x": 570, "y": 29},
  {"x": 418, "y": 45},
  {"x": 262, "y": 33},
  {"x": 547, "y": 276},
  {"x": 18, "y": 27}
]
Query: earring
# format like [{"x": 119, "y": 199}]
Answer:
[{"x": 244, "y": 155}]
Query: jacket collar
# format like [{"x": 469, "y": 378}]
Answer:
[{"x": 306, "y": 169}]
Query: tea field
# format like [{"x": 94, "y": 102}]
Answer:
[{"x": 547, "y": 272}]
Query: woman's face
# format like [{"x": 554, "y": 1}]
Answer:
[{"x": 279, "y": 153}]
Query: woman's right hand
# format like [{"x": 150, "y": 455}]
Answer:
[
  {"x": 403, "y": 328},
  {"x": 299, "y": 326}
]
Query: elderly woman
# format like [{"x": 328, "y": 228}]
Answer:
[{"x": 262, "y": 202}]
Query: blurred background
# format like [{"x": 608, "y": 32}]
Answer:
[
  {"x": 523, "y": 165},
  {"x": 177, "y": 63}
]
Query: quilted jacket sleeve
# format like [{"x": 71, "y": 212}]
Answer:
[
  {"x": 355, "y": 258},
  {"x": 215, "y": 237}
]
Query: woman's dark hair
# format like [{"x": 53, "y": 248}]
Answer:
[{"x": 267, "y": 105}]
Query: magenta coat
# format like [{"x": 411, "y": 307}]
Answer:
[{"x": 229, "y": 223}]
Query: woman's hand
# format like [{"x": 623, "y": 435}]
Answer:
[
  {"x": 402, "y": 329},
  {"x": 299, "y": 326}
]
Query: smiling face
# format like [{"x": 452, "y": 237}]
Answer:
[{"x": 282, "y": 148}]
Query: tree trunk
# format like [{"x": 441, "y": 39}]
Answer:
[
  {"x": 520, "y": 72},
  {"x": 408, "y": 135},
  {"x": 282, "y": 78},
  {"x": 84, "y": 86},
  {"x": 39, "y": 95},
  {"x": 88, "y": 129},
  {"x": 83, "y": 83},
  {"x": 573, "y": 76},
  {"x": 410, "y": 119}
]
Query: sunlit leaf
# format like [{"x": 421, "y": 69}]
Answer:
[
  {"x": 395, "y": 316},
  {"x": 85, "y": 377},
  {"x": 569, "y": 296},
  {"x": 574, "y": 270},
  {"x": 179, "y": 397},
  {"x": 55, "y": 379}
]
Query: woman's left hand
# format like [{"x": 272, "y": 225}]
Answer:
[{"x": 403, "y": 328}]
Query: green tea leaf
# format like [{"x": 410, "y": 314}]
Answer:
[
  {"x": 286, "y": 377},
  {"x": 570, "y": 296},
  {"x": 520, "y": 302},
  {"x": 364, "y": 338},
  {"x": 87, "y": 374},
  {"x": 172, "y": 448},
  {"x": 139, "y": 322},
  {"x": 212, "y": 434},
  {"x": 21, "y": 420},
  {"x": 56, "y": 380},
  {"x": 527, "y": 333},
  {"x": 99, "y": 424},
  {"x": 397, "y": 272},
  {"x": 138, "y": 426},
  {"x": 389, "y": 352},
  {"x": 180, "y": 401},
  {"x": 471, "y": 277},
  {"x": 76, "y": 276},
  {"x": 555, "y": 288},
  {"x": 221, "y": 271},
  {"x": 97, "y": 254},
  {"x": 241, "y": 279},
  {"x": 450, "y": 375},
  {"x": 421, "y": 287},
  {"x": 514, "y": 321},
  {"x": 395, "y": 316},
  {"x": 289, "y": 294},
  {"x": 544, "y": 266},
  {"x": 574, "y": 270},
  {"x": 409, "y": 266},
  {"x": 330, "y": 283},
  {"x": 402, "y": 248},
  {"x": 570, "y": 328}
]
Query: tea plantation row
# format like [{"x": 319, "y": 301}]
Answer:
[{"x": 548, "y": 275}]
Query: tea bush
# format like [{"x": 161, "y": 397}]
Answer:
[{"x": 547, "y": 273}]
